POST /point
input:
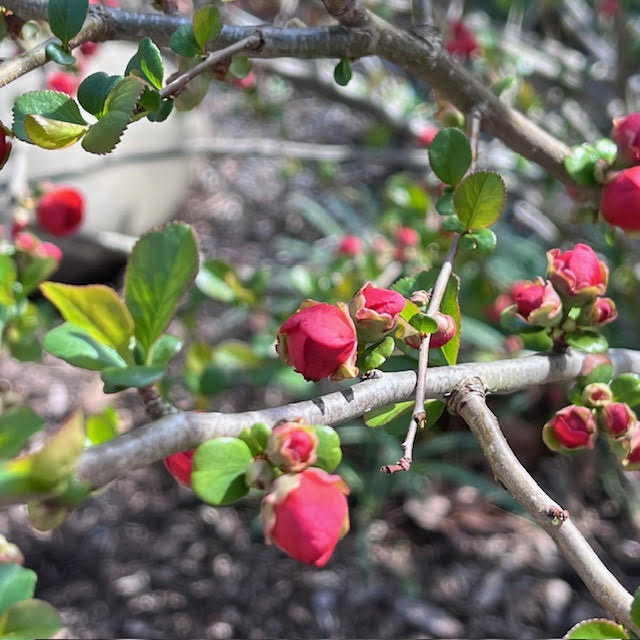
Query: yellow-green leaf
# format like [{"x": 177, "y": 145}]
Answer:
[{"x": 53, "y": 134}]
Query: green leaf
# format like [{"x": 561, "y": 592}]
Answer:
[
  {"x": 54, "y": 105},
  {"x": 17, "y": 425},
  {"x": 581, "y": 162},
  {"x": 219, "y": 281},
  {"x": 405, "y": 192},
  {"x": 207, "y": 24},
  {"x": 77, "y": 347},
  {"x": 483, "y": 240},
  {"x": 454, "y": 224},
  {"x": 588, "y": 341},
  {"x": 147, "y": 63},
  {"x": 94, "y": 90},
  {"x": 342, "y": 73},
  {"x": 163, "y": 111},
  {"x": 29, "y": 619},
  {"x": 56, "y": 53},
  {"x": 451, "y": 306},
  {"x": 235, "y": 354},
  {"x": 53, "y": 134},
  {"x": 165, "y": 347},
  {"x": 240, "y": 66},
  {"x": 183, "y": 42},
  {"x": 161, "y": 267},
  {"x": 219, "y": 468},
  {"x": 479, "y": 198},
  {"x": 102, "y": 427},
  {"x": 150, "y": 100},
  {"x": 256, "y": 438},
  {"x": 383, "y": 415},
  {"x": 444, "y": 204},
  {"x": 329, "y": 453},
  {"x": 66, "y": 17},
  {"x": 450, "y": 155},
  {"x": 607, "y": 150},
  {"x": 597, "y": 629},
  {"x": 120, "y": 104},
  {"x": 635, "y": 608},
  {"x": 376, "y": 355},
  {"x": 626, "y": 388},
  {"x": 502, "y": 85},
  {"x": 117, "y": 378},
  {"x": 16, "y": 584},
  {"x": 97, "y": 309},
  {"x": 423, "y": 323}
]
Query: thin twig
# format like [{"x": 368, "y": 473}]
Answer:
[
  {"x": 251, "y": 43},
  {"x": 468, "y": 401}
]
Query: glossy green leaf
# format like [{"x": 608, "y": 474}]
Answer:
[
  {"x": 53, "y": 134},
  {"x": 77, "y": 347},
  {"x": 102, "y": 427},
  {"x": 28, "y": 620},
  {"x": 116, "y": 378},
  {"x": 150, "y": 100},
  {"x": 56, "y": 53},
  {"x": 165, "y": 348},
  {"x": 607, "y": 150},
  {"x": 423, "y": 323},
  {"x": 66, "y": 17},
  {"x": 450, "y": 155},
  {"x": 146, "y": 63},
  {"x": 626, "y": 388},
  {"x": 588, "y": 341},
  {"x": 328, "y": 452},
  {"x": 376, "y": 355},
  {"x": 96, "y": 308},
  {"x": 256, "y": 437},
  {"x": 483, "y": 240},
  {"x": 240, "y": 66},
  {"x": 54, "y": 105},
  {"x": 183, "y": 42},
  {"x": 342, "y": 72},
  {"x": 94, "y": 91},
  {"x": 17, "y": 425},
  {"x": 454, "y": 224},
  {"x": 597, "y": 629},
  {"x": 161, "y": 267},
  {"x": 479, "y": 199},
  {"x": 382, "y": 415},
  {"x": 219, "y": 468},
  {"x": 120, "y": 104},
  {"x": 163, "y": 111},
  {"x": 35, "y": 271},
  {"x": 207, "y": 24},
  {"x": 16, "y": 584},
  {"x": 581, "y": 162},
  {"x": 444, "y": 204}
]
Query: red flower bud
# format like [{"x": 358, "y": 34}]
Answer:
[
  {"x": 447, "y": 330},
  {"x": 179, "y": 466},
  {"x": 597, "y": 394},
  {"x": 620, "y": 204},
  {"x": 570, "y": 428},
  {"x": 608, "y": 8},
  {"x": 350, "y": 246},
  {"x": 25, "y": 241},
  {"x": 305, "y": 514},
  {"x": 461, "y": 41},
  {"x": 248, "y": 82},
  {"x": 537, "y": 302},
  {"x": 5, "y": 147},
  {"x": 60, "y": 211},
  {"x": 577, "y": 274},
  {"x": 89, "y": 48},
  {"x": 319, "y": 341},
  {"x": 598, "y": 313},
  {"x": 626, "y": 135},
  {"x": 63, "y": 82},
  {"x": 426, "y": 135},
  {"x": 407, "y": 237},
  {"x": 375, "y": 311},
  {"x": 616, "y": 419},
  {"x": 292, "y": 446},
  {"x": 49, "y": 250},
  {"x": 503, "y": 301}
]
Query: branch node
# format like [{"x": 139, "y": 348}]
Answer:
[
  {"x": 557, "y": 515},
  {"x": 404, "y": 464}
]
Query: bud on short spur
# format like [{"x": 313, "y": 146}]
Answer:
[
  {"x": 60, "y": 211},
  {"x": 620, "y": 203},
  {"x": 577, "y": 274},
  {"x": 537, "y": 302},
  {"x": 292, "y": 446},
  {"x": 375, "y": 312},
  {"x": 447, "y": 330},
  {"x": 597, "y": 394},
  {"x": 319, "y": 341},
  {"x": 572, "y": 428},
  {"x": 626, "y": 135},
  {"x": 179, "y": 466},
  {"x": 617, "y": 419},
  {"x": 305, "y": 514},
  {"x": 598, "y": 313}
]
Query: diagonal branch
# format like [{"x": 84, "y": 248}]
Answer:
[
  {"x": 468, "y": 401},
  {"x": 186, "y": 430}
]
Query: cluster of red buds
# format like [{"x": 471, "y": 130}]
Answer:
[
  {"x": 569, "y": 300},
  {"x": 599, "y": 407},
  {"x": 404, "y": 248},
  {"x": 322, "y": 340},
  {"x": 304, "y": 511}
]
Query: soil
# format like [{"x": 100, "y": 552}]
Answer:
[{"x": 146, "y": 559}]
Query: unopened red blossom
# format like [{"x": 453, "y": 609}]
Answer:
[
  {"x": 597, "y": 394},
  {"x": 407, "y": 237},
  {"x": 60, "y": 211},
  {"x": 320, "y": 341},
  {"x": 617, "y": 419},
  {"x": 426, "y": 135},
  {"x": 25, "y": 241},
  {"x": 375, "y": 311},
  {"x": 447, "y": 330},
  {"x": 89, "y": 48},
  {"x": 537, "y": 302},
  {"x": 626, "y": 135},
  {"x": 577, "y": 274},
  {"x": 571, "y": 428},
  {"x": 49, "y": 250},
  {"x": 598, "y": 313},
  {"x": 350, "y": 246},
  {"x": 179, "y": 466},
  {"x": 292, "y": 446},
  {"x": 461, "y": 42},
  {"x": 62, "y": 81},
  {"x": 5, "y": 146},
  {"x": 306, "y": 514},
  {"x": 620, "y": 203}
]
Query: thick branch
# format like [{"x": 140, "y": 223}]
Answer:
[
  {"x": 154, "y": 441},
  {"x": 468, "y": 401}
]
